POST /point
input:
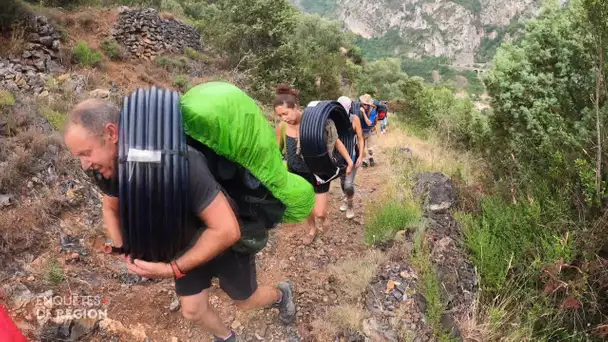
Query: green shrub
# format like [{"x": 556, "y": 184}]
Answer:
[
  {"x": 112, "y": 49},
  {"x": 182, "y": 83},
  {"x": 54, "y": 272},
  {"x": 86, "y": 56},
  {"x": 507, "y": 236},
  {"x": 389, "y": 218},
  {"x": 172, "y": 64},
  {"x": 192, "y": 54},
  {"x": 6, "y": 98},
  {"x": 56, "y": 119}
]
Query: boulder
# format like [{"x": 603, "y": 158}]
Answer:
[
  {"x": 46, "y": 41},
  {"x": 438, "y": 191}
]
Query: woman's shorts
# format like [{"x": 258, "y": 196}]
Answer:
[{"x": 319, "y": 188}]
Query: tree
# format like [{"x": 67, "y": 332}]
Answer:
[
  {"x": 597, "y": 13},
  {"x": 383, "y": 79},
  {"x": 540, "y": 89},
  {"x": 256, "y": 37},
  {"x": 320, "y": 63}
]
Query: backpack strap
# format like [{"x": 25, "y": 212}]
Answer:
[{"x": 283, "y": 144}]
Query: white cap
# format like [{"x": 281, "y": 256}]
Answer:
[{"x": 345, "y": 102}]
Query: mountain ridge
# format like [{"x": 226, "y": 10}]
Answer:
[{"x": 465, "y": 31}]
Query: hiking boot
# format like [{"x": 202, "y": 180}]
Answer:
[
  {"x": 231, "y": 338},
  {"x": 371, "y": 162},
  {"x": 344, "y": 206},
  {"x": 350, "y": 213},
  {"x": 287, "y": 308}
]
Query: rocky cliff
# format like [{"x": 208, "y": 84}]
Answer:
[{"x": 457, "y": 29}]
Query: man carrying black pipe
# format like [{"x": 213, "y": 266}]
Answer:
[
  {"x": 91, "y": 134},
  {"x": 368, "y": 124}
]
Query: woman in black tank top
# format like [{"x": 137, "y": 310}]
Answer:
[{"x": 286, "y": 106}]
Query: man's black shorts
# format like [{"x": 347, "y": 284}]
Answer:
[{"x": 235, "y": 271}]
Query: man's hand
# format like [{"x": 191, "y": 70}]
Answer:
[
  {"x": 359, "y": 161},
  {"x": 149, "y": 269}
]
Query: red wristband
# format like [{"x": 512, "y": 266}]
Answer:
[{"x": 176, "y": 271}]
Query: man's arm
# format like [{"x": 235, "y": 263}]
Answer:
[
  {"x": 367, "y": 120},
  {"x": 373, "y": 116},
  {"x": 360, "y": 139},
  {"x": 222, "y": 232},
  {"x": 111, "y": 219}
]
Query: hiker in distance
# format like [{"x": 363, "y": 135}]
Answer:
[
  {"x": 368, "y": 111},
  {"x": 287, "y": 108},
  {"x": 91, "y": 134},
  {"x": 347, "y": 182}
]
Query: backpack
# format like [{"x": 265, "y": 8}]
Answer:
[
  {"x": 355, "y": 109},
  {"x": 382, "y": 109},
  {"x": 233, "y": 130}
]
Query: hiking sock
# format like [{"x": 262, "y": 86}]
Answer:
[{"x": 229, "y": 338}]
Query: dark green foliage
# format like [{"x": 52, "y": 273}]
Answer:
[
  {"x": 511, "y": 236},
  {"x": 474, "y": 6},
  {"x": 256, "y": 37},
  {"x": 323, "y": 7},
  {"x": 382, "y": 79},
  {"x": 487, "y": 48},
  {"x": 425, "y": 66},
  {"x": 436, "y": 108},
  {"x": 10, "y": 13},
  {"x": 173, "y": 64},
  {"x": 112, "y": 49},
  {"x": 549, "y": 208},
  {"x": 388, "y": 45},
  {"x": 86, "y": 56},
  {"x": 318, "y": 58},
  {"x": 540, "y": 96}
]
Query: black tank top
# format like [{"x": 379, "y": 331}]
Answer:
[{"x": 295, "y": 162}]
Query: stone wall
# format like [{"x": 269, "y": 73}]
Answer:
[
  {"x": 40, "y": 56},
  {"x": 146, "y": 35}
]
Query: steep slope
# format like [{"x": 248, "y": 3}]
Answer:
[{"x": 459, "y": 29}]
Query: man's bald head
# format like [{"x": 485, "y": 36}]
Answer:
[
  {"x": 94, "y": 115},
  {"x": 91, "y": 134}
]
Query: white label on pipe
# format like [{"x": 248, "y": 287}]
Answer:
[
  {"x": 313, "y": 103},
  {"x": 144, "y": 156}
]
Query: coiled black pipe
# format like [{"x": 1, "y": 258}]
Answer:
[
  {"x": 355, "y": 109},
  {"x": 153, "y": 175},
  {"x": 314, "y": 145}
]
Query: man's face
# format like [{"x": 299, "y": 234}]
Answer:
[{"x": 96, "y": 152}]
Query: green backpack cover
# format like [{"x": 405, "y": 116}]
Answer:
[{"x": 228, "y": 121}]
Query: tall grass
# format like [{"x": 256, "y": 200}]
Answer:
[{"x": 389, "y": 218}]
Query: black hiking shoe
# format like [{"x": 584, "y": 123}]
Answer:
[
  {"x": 371, "y": 162},
  {"x": 287, "y": 308},
  {"x": 231, "y": 338}
]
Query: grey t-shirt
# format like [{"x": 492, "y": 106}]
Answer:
[{"x": 203, "y": 188}]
